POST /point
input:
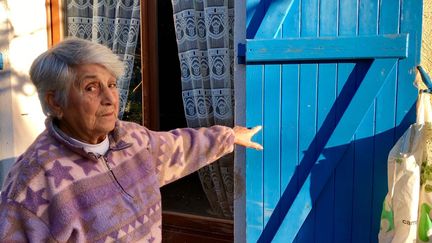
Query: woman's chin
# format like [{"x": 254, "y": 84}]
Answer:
[{"x": 106, "y": 124}]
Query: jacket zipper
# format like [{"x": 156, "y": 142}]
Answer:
[{"x": 114, "y": 177}]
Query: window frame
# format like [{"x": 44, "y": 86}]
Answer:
[{"x": 55, "y": 16}]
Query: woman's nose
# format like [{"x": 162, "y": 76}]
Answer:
[{"x": 109, "y": 95}]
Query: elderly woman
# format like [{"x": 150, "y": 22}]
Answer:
[{"x": 90, "y": 177}]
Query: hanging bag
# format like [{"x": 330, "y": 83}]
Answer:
[{"x": 406, "y": 209}]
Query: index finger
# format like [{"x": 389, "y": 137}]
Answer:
[{"x": 256, "y": 129}]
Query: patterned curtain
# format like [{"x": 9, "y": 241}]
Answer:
[
  {"x": 204, "y": 32},
  {"x": 113, "y": 23}
]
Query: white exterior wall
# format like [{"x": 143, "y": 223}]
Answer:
[{"x": 23, "y": 36}]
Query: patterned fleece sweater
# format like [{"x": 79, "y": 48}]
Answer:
[{"x": 56, "y": 192}]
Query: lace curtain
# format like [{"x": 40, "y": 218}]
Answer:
[
  {"x": 113, "y": 23},
  {"x": 204, "y": 32}
]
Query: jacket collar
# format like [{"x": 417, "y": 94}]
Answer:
[{"x": 119, "y": 139}]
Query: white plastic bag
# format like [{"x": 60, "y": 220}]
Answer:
[{"x": 406, "y": 210}]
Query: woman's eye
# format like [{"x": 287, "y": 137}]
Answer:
[
  {"x": 91, "y": 88},
  {"x": 113, "y": 85}
]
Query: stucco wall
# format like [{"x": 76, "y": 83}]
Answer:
[
  {"x": 23, "y": 36},
  {"x": 426, "y": 53}
]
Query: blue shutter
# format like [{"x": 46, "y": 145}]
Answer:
[{"x": 330, "y": 81}]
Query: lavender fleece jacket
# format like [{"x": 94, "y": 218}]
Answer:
[{"x": 56, "y": 192}]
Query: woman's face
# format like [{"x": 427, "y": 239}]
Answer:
[{"x": 92, "y": 106}]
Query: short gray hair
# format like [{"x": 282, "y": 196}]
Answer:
[{"x": 54, "y": 70}]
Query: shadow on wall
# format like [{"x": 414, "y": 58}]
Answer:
[
  {"x": 20, "y": 84},
  {"x": 19, "y": 106}
]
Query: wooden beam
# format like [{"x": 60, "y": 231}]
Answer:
[
  {"x": 327, "y": 48},
  {"x": 275, "y": 16},
  {"x": 55, "y": 21},
  {"x": 149, "y": 64},
  {"x": 182, "y": 227}
]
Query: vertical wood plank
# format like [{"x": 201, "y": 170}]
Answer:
[
  {"x": 254, "y": 158},
  {"x": 290, "y": 107},
  {"x": 324, "y": 208},
  {"x": 383, "y": 142},
  {"x": 290, "y": 101},
  {"x": 307, "y": 131},
  {"x": 327, "y": 80},
  {"x": 348, "y": 16},
  {"x": 343, "y": 173},
  {"x": 385, "y": 119},
  {"x": 271, "y": 131},
  {"x": 364, "y": 143},
  {"x": 308, "y": 108},
  {"x": 290, "y": 124},
  {"x": 255, "y": 9},
  {"x": 363, "y": 165}
]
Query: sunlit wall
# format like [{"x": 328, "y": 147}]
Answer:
[
  {"x": 23, "y": 36},
  {"x": 426, "y": 54}
]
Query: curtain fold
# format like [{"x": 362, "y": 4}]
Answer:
[
  {"x": 204, "y": 32},
  {"x": 113, "y": 23}
]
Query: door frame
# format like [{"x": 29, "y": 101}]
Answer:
[
  {"x": 149, "y": 64},
  {"x": 55, "y": 21},
  {"x": 217, "y": 228}
]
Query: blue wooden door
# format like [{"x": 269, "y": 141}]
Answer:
[{"x": 331, "y": 82}]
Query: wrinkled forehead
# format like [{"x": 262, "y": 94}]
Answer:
[{"x": 92, "y": 71}]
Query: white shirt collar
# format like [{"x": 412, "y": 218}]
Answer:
[{"x": 97, "y": 149}]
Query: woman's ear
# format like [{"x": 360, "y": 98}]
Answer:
[{"x": 54, "y": 106}]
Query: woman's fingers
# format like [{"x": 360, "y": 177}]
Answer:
[
  {"x": 256, "y": 146},
  {"x": 256, "y": 129},
  {"x": 244, "y": 135}
]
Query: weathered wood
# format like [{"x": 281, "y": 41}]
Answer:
[
  {"x": 332, "y": 87},
  {"x": 326, "y": 48},
  {"x": 326, "y": 162},
  {"x": 180, "y": 227}
]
